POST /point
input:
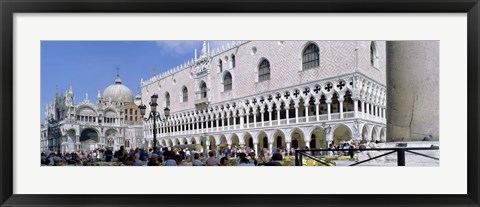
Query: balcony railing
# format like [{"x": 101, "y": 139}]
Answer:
[
  {"x": 349, "y": 114},
  {"x": 201, "y": 101}
]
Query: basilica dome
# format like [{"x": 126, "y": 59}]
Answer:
[{"x": 118, "y": 92}]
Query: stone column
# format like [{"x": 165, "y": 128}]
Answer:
[
  {"x": 296, "y": 105},
  {"x": 329, "y": 113},
  {"x": 288, "y": 148},
  {"x": 176, "y": 128},
  {"x": 247, "y": 116},
  {"x": 211, "y": 124},
  {"x": 270, "y": 110},
  {"x": 368, "y": 109},
  {"x": 228, "y": 121},
  {"x": 340, "y": 100},
  {"x": 198, "y": 126},
  {"x": 270, "y": 147},
  {"x": 287, "y": 109},
  {"x": 223, "y": 122},
  {"x": 216, "y": 122},
  {"x": 306, "y": 105},
  {"x": 255, "y": 145},
  {"x": 363, "y": 108},
  {"x": 329, "y": 137},
  {"x": 278, "y": 114},
  {"x": 234, "y": 122},
  {"x": 262, "y": 111},
  {"x": 241, "y": 121},
  {"x": 254, "y": 119},
  {"x": 355, "y": 108},
  {"x": 317, "y": 110},
  {"x": 207, "y": 144}
]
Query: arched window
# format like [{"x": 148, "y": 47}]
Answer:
[
  {"x": 220, "y": 65},
  {"x": 185, "y": 94},
  {"x": 227, "y": 82},
  {"x": 167, "y": 99},
  {"x": 373, "y": 54},
  {"x": 264, "y": 71},
  {"x": 310, "y": 57},
  {"x": 203, "y": 90},
  {"x": 232, "y": 61}
]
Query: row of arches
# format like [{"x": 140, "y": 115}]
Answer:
[{"x": 297, "y": 137}]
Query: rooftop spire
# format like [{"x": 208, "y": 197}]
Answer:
[
  {"x": 204, "y": 49},
  {"x": 118, "y": 80}
]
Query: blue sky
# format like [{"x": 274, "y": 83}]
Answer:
[{"x": 89, "y": 66}]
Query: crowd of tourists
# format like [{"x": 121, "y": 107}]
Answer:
[
  {"x": 159, "y": 157},
  {"x": 222, "y": 156}
]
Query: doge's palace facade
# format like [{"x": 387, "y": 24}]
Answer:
[{"x": 266, "y": 94}]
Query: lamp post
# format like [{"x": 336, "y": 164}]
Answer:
[{"x": 154, "y": 114}]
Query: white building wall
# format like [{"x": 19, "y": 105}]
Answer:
[{"x": 285, "y": 57}]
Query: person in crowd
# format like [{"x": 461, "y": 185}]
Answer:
[
  {"x": 224, "y": 161},
  {"x": 276, "y": 159},
  {"x": 263, "y": 157},
  {"x": 330, "y": 146},
  {"x": 153, "y": 160},
  {"x": 245, "y": 162},
  {"x": 137, "y": 162},
  {"x": 178, "y": 159},
  {"x": 182, "y": 153},
  {"x": 43, "y": 159},
  {"x": 252, "y": 159},
  {"x": 212, "y": 160},
  {"x": 150, "y": 152},
  {"x": 171, "y": 161},
  {"x": 197, "y": 161},
  {"x": 131, "y": 153},
  {"x": 240, "y": 156},
  {"x": 108, "y": 155},
  {"x": 121, "y": 154},
  {"x": 350, "y": 152},
  {"x": 129, "y": 161}
]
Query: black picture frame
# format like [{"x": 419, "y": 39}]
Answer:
[{"x": 10, "y": 7}]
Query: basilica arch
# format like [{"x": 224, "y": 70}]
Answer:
[{"x": 89, "y": 139}]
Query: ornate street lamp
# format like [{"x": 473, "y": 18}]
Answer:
[{"x": 154, "y": 114}]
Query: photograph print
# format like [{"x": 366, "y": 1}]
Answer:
[{"x": 240, "y": 103}]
